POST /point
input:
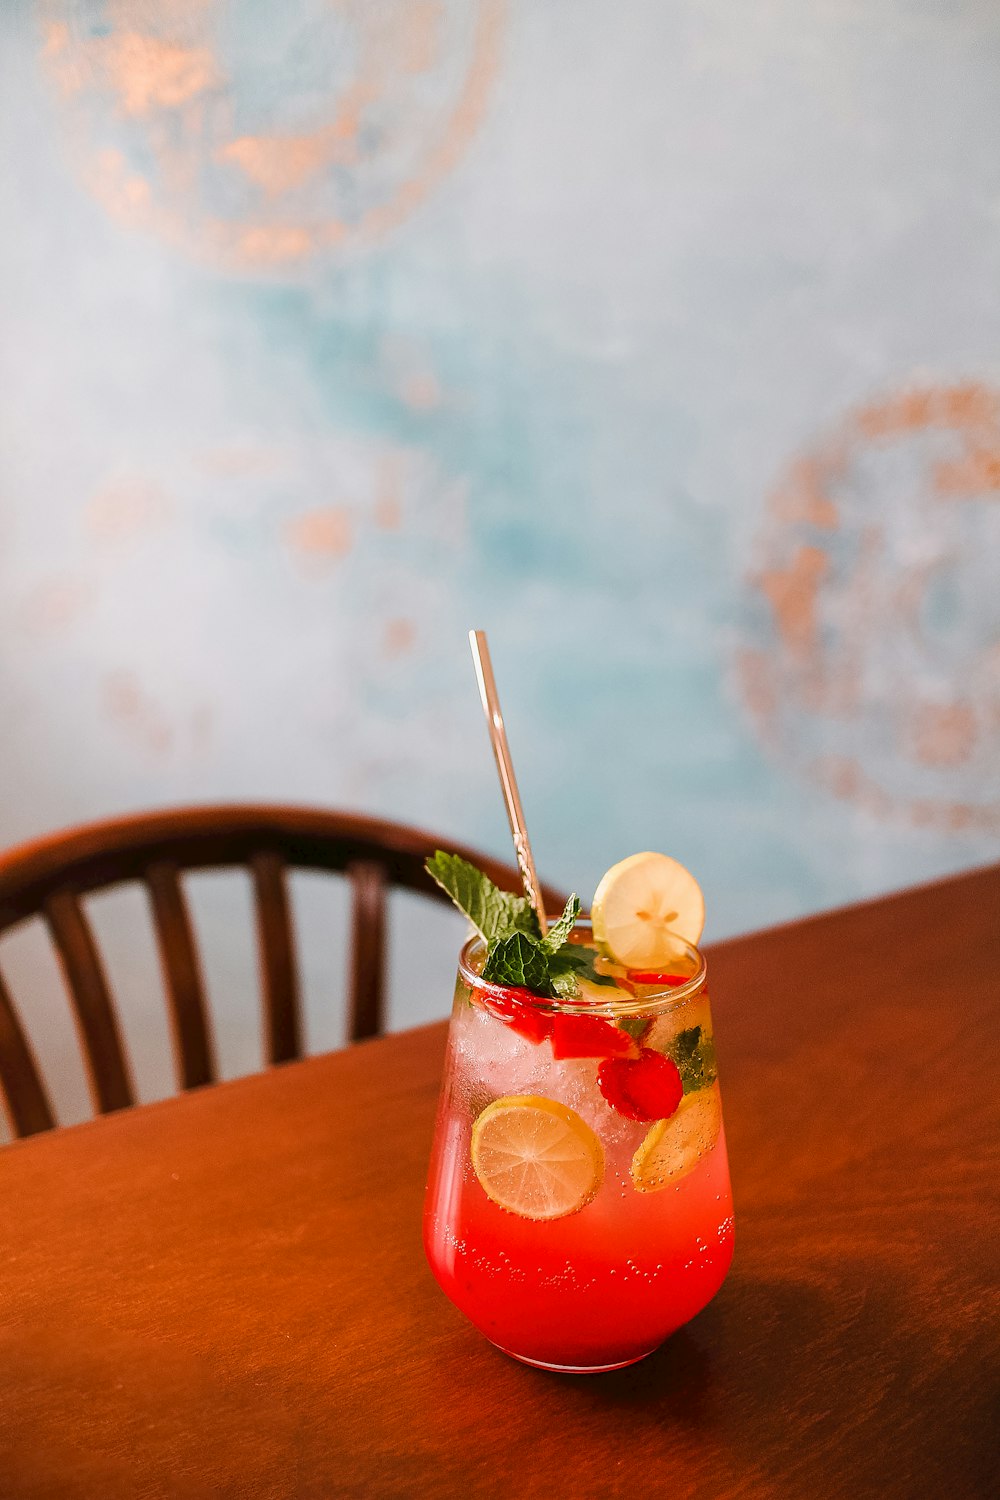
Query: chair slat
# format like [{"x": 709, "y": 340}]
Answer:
[
  {"x": 368, "y": 881},
  {"x": 279, "y": 975},
  {"x": 27, "y": 1103},
  {"x": 52, "y": 877},
  {"x": 88, "y": 987},
  {"x": 193, "y": 1051}
]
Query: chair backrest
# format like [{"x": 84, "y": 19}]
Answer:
[{"x": 49, "y": 877}]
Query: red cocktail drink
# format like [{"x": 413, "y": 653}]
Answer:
[{"x": 578, "y": 1208}]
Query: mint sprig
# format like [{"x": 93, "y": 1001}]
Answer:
[
  {"x": 516, "y": 952},
  {"x": 493, "y": 913}
]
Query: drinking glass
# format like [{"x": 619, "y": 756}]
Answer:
[{"x": 601, "y": 1286}]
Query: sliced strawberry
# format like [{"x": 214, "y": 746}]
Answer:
[
  {"x": 518, "y": 1009},
  {"x": 651, "y": 976},
  {"x": 647, "y": 1088},
  {"x": 589, "y": 1036}
]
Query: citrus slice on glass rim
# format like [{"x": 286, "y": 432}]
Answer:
[
  {"x": 673, "y": 1147},
  {"x": 642, "y": 905},
  {"x": 535, "y": 1157}
]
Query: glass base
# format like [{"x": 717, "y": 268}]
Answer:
[{"x": 542, "y": 1364}]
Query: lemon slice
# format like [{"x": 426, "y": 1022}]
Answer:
[
  {"x": 536, "y": 1158},
  {"x": 640, "y": 907},
  {"x": 673, "y": 1147}
]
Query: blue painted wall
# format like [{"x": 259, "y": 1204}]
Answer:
[{"x": 662, "y": 342}]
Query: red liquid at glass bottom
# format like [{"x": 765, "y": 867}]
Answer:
[{"x": 594, "y": 1291}]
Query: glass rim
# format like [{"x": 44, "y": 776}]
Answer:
[{"x": 659, "y": 1003}]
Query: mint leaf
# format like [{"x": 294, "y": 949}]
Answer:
[
  {"x": 684, "y": 1046},
  {"x": 565, "y": 983},
  {"x": 519, "y": 959},
  {"x": 577, "y": 962},
  {"x": 516, "y": 952},
  {"x": 564, "y": 968},
  {"x": 560, "y": 931},
  {"x": 494, "y": 913},
  {"x": 694, "y": 1054},
  {"x": 709, "y": 1067},
  {"x": 634, "y": 1025}
]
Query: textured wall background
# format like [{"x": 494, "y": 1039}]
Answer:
[{"x": 661, "y": 341}]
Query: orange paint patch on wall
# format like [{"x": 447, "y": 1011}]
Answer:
[
  {"x": 389, "y": 493},
  {"x": 149, "y": 72},
  {"x": 69, "y": 70},
  {"x": 56, "y": 38},
  {"x": 179, "y": 15},
  {"x": 969, "y": 407},
  {"x": 977, "y": 472},
  {"x": 469, "y": 110},
  {"x": 126, "y": 508},
  {"x": 793, "y": 592},
  {"x": 408, "y": 372},
  {"x": 411, "y": 45},
  {"x": 759, "y": 691},
  {"x": 420, "y": 40},
  {"x": 851, "y": 637},
  {"x": 398, "y": 638},
  {"x": 941, "y": 734},
  {"x": 271, "y": 244},
  {"x": 238, "y": 463},
  {"x": 848, "y": 640},
  {"x": 907, "y": 412},
  {"x": 802, "y": 495},
  {"x": 844, "y": 776},
  {"x": 56, "y": 605},
  {"x": 277, "y": 163},
  {"x": 133, "y": 712},
  {"x": 165, "y": 69},
  {"x": 125, "y": 194},
  {"x": 321, "y": 536},
  {"x": 421, "y": 391},
  {"x": 831, "y": 690}
]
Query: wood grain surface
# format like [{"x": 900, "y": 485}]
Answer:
[{"x": 225, "y": 1295}]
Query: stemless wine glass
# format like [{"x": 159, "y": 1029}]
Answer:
[{"x": 574, "y": 1236}]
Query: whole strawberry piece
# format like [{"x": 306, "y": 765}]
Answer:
[{"x": 644, "y": 1088}]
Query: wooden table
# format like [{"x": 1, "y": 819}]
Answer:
[{"x": 225, "y": 1294}]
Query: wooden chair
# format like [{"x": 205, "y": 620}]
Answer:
[{"x": 48, "y": 879}]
